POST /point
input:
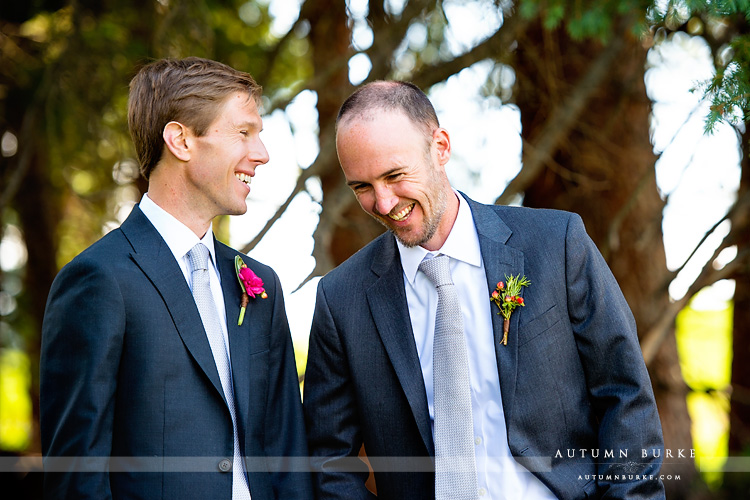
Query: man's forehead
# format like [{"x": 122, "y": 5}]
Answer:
[
  {"x": 243, "y": 100},
  {"x": 369, "y": 116}
]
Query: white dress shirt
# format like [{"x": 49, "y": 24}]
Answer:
[
  {"x": 180, "y": 239},
  {"x": 499, "y": 476}
]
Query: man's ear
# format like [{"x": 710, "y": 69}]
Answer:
[
  {"x": 175, "y": 136},
  {"x": 442, "y": 142}
]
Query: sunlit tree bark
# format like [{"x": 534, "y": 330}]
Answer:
[
  {"x": 38, "y": 204},
  {"x": 599, "y": 163},
  {"x": 739, "y": 435}
]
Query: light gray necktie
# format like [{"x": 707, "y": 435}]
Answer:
[
  {"x": 204, "y": 299},
  {"x": 455, "y": 464}
]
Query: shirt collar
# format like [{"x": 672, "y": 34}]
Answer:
[
  {"x": 462, "y": 244},
  {"x": 179, "y": 238}
]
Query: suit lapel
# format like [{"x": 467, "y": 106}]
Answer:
[
  {"x": 239, "y": 336},
  {"x": 500, "y": 260},
  {"x": 153, "y": 257},
  {"x": 387, "y": 300}
]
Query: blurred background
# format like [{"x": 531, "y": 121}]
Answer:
[{"x": 631, "y": 113}]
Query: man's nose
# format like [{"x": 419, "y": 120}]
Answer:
[
  {"x": 258, "y": 153},
  {"x": 385, "y": 200}
]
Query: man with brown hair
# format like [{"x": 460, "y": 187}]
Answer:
[{"x": 155, "y": 362}]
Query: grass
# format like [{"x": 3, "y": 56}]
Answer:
[{"x": 704, "y": 343}]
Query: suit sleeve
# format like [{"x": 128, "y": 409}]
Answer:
[
  {"x": 285, "y": 439},
  {"x": 616, "y": 375},
  {"x": 331, "y": 413},
  {"x": 82, "y": 333}
]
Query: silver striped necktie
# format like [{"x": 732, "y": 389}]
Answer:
[
  {"x": 455, "y": 463},
  {"x": 204, "y": 299}
]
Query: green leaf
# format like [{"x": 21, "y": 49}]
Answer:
[{"x": 239, "y": 264}]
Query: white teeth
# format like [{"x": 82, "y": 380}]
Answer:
[
  {"x": 244, "y": 178},
  {"x": 402, "y": 214}
]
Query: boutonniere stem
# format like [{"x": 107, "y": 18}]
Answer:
[
  {"x": 250, "y": 284},
  {"x": 507, "y": 296}
]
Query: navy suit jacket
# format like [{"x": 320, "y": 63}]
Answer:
[
  {"x": 127, "y": 371},
  {"x": 572, "y": 375}
]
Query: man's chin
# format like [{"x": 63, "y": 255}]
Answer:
[
  {"x": 413, "y": 241},
  {"x": 239, "y": 209},
  {"x": 399, "y": 233}
]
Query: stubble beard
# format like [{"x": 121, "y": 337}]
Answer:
[{"x": 431, "y": 221}]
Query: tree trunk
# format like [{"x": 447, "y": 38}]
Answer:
[
  {"x": 337, "y": 236},
  {"x": 38, "y": 206},
  {"x": 603, "y": 169},
  {"x": 739, "y": 435}
]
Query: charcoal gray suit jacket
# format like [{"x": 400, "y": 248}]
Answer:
[{"x": 572, "y": 375}]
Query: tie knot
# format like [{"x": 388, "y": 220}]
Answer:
[
  {"x": 198, "y": 256},
  {"x": 437, "y": 270}
]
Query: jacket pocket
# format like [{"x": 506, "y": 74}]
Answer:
[
  {"x": 260, "y": 344},
  {"x": 537, "y": 326}
]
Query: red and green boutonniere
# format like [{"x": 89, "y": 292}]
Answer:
[
  {"x": 250, "y": 284},
  {"x": 507, "y": 297}
]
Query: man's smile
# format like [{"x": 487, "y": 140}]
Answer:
[
  {"x": 243, "y": 177},
  {"x": 402, "y": 214}
]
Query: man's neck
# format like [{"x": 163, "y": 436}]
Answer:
[
  {"x": 446, "y": 224},
  {"x": 168, "y": 198}
]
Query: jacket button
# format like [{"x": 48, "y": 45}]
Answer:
[{"x": 225, "y": 465}]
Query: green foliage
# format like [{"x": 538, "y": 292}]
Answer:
[
  {"x": 68, "y": 68},
  {"x": 729, "y": 90},
  {"x": 15, "y": 404},
  {"x": 528, "y": 9},
  {"x": 591, "y": 23},
  {"x": 83, "y": 105},
  {"x": 507, "y": 296},
  {"x": 727, "y": 7},
  {"x": 583, "y": 19},
  {"x": 554, "y": 15},
  {"x": 704, "y": 342}
]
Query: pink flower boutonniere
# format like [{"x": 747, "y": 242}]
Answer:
[
  {"x": 507, "y": 297},
  {"x": 250, "y": 284}
]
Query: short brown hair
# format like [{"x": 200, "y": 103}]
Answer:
[
  {"x": 189, "y": 91},
  {"x": 391, "y": 96}
]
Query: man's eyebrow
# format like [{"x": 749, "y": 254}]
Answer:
[
  {"x": 249, "y": 124},
  {"x": 381, "y": 176}
]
